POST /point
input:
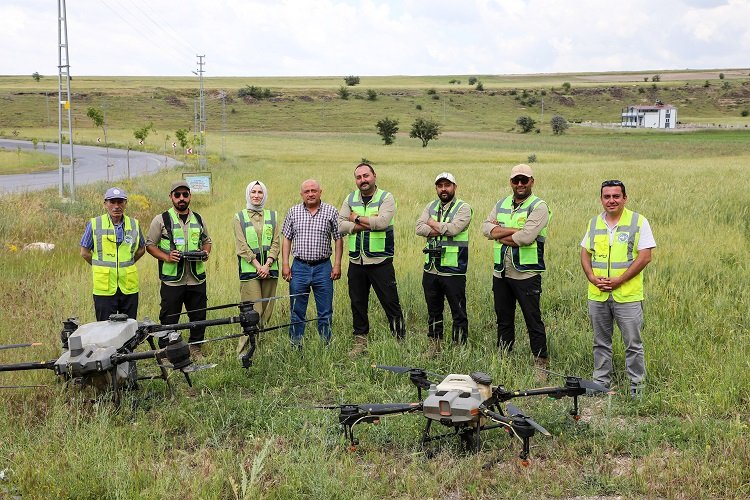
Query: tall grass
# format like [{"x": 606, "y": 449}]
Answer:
[{"x": 252, "y": 433}]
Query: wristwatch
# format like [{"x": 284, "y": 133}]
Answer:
[{"x": 356, "y": 220}]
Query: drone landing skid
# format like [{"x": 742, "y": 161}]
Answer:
[{"x": 468, "y": 434}]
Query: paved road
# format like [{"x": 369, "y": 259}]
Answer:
[{"x": 91, "y": 166}]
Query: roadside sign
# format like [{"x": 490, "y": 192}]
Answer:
[{"x": 189, "y": 151}]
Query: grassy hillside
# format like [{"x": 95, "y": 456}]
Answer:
[{"x": 252, "y": 434}]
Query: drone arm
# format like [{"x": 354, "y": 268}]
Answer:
[{"x": 34, "y": 365}]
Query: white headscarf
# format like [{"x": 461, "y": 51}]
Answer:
[{"x": 250, "y": 206}]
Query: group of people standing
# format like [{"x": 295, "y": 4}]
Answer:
[{"x": 615, "y": 250}]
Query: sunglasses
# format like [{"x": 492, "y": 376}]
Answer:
[
  {"x": 613, "y": 182},
  {"x": 520, "y": 180},
  {"x": 181, "y": 194}
]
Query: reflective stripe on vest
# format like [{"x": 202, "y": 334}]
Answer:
[
  {"x": 526, "y": 258},
  {"x": 371, "y": 243},
  {"x": 247, "y": 270},
  {"x": 455, "y": 256},
  {"x": 113, "y": 265},
  {"x": 611, "y": 260},
  {"x": 173, "y": 271}
]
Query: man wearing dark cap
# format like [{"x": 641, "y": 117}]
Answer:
[
  {"x": 445, "y": 224},
  {"x": 111, "y": 244},
  {"x": 518, "y": 226},
  {"x": 183, "y": 279}
]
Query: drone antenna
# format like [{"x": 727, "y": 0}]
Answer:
[
  {"x": 14, "y": 346},
  {"x": 225, "y": 306}
]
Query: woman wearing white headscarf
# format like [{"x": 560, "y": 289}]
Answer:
[{"x": 256, "y": 231}]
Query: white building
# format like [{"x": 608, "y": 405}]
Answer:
[{"x": 658, "y": 115}]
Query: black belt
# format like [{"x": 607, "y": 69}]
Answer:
[{"x": 313, "y": 262}]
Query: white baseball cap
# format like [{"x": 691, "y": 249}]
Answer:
[{"x": 447, "y": 176}]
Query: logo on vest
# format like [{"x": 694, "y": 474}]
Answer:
[
  {"x": 128, "y": 239},
  {"x": 622, "y": 237},
  {"x": 194, "y": 237}
]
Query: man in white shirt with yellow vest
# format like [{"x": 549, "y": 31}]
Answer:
[
  {"x": 111, "y": 244},
  {"x": 518, "y": 226},
  {"x": 614, "y": 252},
  {"x": 445, "y": 223},
  {"x": 367, "y": 217}
]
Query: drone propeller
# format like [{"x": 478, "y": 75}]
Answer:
[
  {"x": 584, "y": 383},
  {"x": 404, "y": 369},
  {"x": 515, "y": 412},
  {"x": 261, "y": 330},
  {"x": 14, "y": 346},
  {"x": 225, "y": 306}
]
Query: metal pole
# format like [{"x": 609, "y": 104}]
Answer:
[{"x": 128, "y": 161}]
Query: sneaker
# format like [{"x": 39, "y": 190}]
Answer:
[
  {"x": 360, "y": 345},
  {"x": 435, "y": 347},
  {"x": 195, "y": 353}
]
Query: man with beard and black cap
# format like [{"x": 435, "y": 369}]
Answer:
[
  {"x": 183, "y": 281},
  {"x": 445, "y": 224},
  {"x": 518, "y": 226}
]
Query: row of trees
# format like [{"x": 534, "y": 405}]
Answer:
[{"x": 422, "y": 129}]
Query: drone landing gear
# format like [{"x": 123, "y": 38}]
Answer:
[
  {"x": 469, "y": 436},
  {"x": 247, "y": 358}
]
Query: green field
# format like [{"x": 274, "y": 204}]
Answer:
[{"x": 252, "y": 434}]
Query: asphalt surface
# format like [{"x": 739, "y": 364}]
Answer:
[{"x": 90, "y": 166}]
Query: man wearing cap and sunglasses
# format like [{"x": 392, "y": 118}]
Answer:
[
  {"x": 518, "y": 226},
  {"x": 183, "y": 280},
  {"x": 614, "y": 252},
  {"x": 445, "y": 224},
  {"x": 111, "y": 244}
]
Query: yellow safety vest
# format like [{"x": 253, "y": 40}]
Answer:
[
  {"x": 260, "y": 249},
  {"x": 454, "y": 258},
  {"x": 526, "y": 258},
  {"x": 113, "y": 265},
  {"x": 612, "y": 260},
  {"x": 372, "y": 243}
]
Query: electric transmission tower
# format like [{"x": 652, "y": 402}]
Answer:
[
  {"x": 64, "y": 122},
  {"x": 202, "y": 160}
]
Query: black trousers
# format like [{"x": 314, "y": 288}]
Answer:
[
  {"x": 527, "y": 293},
  {"x": 172, "y": 299},
  {"x": 436, "y": 290},
  {"x": 104, "y": 305},
  {"x": 382, "y": 278}
]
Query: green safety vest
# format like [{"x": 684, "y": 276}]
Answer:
[
  {"x": 177, "y": 240},
  {"x": 528, "y": 258},
  {"x": 612, "y": 260},
  {"x": 455, "y": 256},
  {"x": 113, "y": 265},
  {"x": 371, "y": 243},
  {"x": 260, "y": 249}
]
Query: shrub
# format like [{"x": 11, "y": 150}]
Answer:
[
  {"x": 656, "y": 78},
  {"x": 254, "y": 92},
  {"x": 431, "y": 91},
  {"x": 344, "y": 93},
  {"x": 558, "y": 124},
  {"x": 566, "y": 87},
  {"x": 418, "y": 107},
  {"x": 387, "y": 129},
  {"x": 531, "y": 158},
  {"x": 526, "y": 123},
  {"x": 472, "y": 80},
  {"x": 721, "y": 76},
  {"x": 641, "y": 90},
  {"x": 435, "y": 97},
  {"x": 371, "y": 95},
  {"x": 745, "y": 112},
  {"x": 351, "y": 80},
  {"x": 454, "y": 82},
  {"x": 426, "y": 130},
  {"x": 706, "y": 84},
  {"x": 480, "y": 86}
]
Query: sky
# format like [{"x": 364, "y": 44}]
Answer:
[{"x": 374, "y": 37}]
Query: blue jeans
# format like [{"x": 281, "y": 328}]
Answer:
[{"x": 306, "y": 277}]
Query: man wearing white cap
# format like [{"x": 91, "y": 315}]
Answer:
[
  {"x": 518, "y": 226},
  {"x": 445, "y": 224},
  {"x": 111, "y": 244}
]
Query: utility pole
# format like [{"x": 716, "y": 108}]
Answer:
[
  {"x": 64, "y": 122},
  {"x": 202, "y": 160},
  {"x": 541, "y": 120},
  {"x": 223, "y": 124}
]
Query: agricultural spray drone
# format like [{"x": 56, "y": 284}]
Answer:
[
  {"x": 103, "y": 354},
  {"x": 468, "y": 404}
]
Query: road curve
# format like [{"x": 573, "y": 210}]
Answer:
[{"x": 90, "y": 164}]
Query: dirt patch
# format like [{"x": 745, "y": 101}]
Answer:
[
  {"x": 565, "y": 100},
  {"x": 306, "y": 98},
  {"x": 175, "y": 101}
]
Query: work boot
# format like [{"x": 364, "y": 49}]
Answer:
[
  {"x": 541, "y": 364},
  {"x": 360, "y": 346},
  {"x": 195, "y": 353},
  {"x": 434, "y": 348}
]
